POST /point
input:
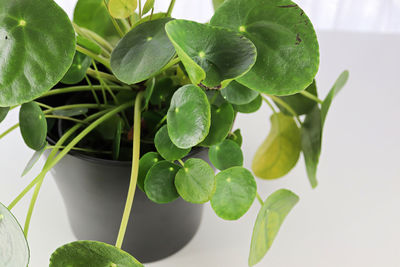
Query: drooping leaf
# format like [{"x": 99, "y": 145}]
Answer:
[
  {"x": 71, "y": 112},
  {"x": 221, "y": 123},
  {"x": 236, "y": 136},
  {"x": 109, "y": 128},
  {"x": 217, "y": 3},
  {"x": 269, "y": 221},
  {"x": 33, "y": 125},
  {"x": 36, "y": 50},
  {"x": 166, "y": 148},
  {"x": 211, "y": 55},
  {"x": 88, "y": 44},
  {"x": 117, "y": 138},
  {"x": 251, "y": 107},
  {"x": 235, "y": 191},
  {"x": 279, "y": 153},
  {"x": 238, "y": 94},
  {"x": 225, "y": 155},
  {"x": 78, "y": 69},
  {"x": 189, "y": 116},
  {"x": 148, "y": 6},
  {"x": 287, "y": 46},
  {"x": 92, "y": 253},
  {"x": 159, "y": 183},
  {"x": 3, "y": 113},
  {"x": 145, "y": 163},
  {"x": 143, "y": 52},
  {"x": 14, "y": 250},
  {"x": 121, "y": 9},
  {"x": 195, "y": 181},
  {"x": 33, "y": 160}
]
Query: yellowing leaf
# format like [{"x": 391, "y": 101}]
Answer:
[
  {"x": 280, "y": 151},
  {"x": 121, "y": 9}
]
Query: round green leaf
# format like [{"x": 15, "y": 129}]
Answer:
[
  {"x": 159, "y": 183},
  {"x": 280, "y": 151},
  {"x": 268, "y": 222},
  {"x": 251, "y": 107},
  {"x": 287, "y": 46},
  {"x": 143, "y": 52},
  {"x": 145, "y": 163},
  {"x": 225, "y": 155},
  {"x": 148, "y": 6},
  {"x": 238, "y": 94},
  {"x": 211, "y": 55},
  {"x": 235, "y": 191},
  {"x": 36, "y": 49},
  {"x": 166, "y": 148},
  {"x": 14, "y": 250},
  {"x": 121, "y": 9},
  {"x": 33, "y": 125},
  {"x": 189, "y": 116},
  {"x": 91, "y": 253},
  {"x": 195, "y": 182},
  {"x": 3, "y": 113},
  {"x": 236, "y": 136},
  {"x": 78, "y": 69},
  {"x": 221, "y": 123}
]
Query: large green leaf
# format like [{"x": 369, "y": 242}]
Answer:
[
  {"x": 211, "y": 55},
  {"x": 78, "y": 69},
  {"x": 14, "y": 250},
  {"x": 235, "y": 191},
  {"x": 287, "y": 46},
  {"x": 279, "y": 153},
  {"x": 36, "y": 50},
  {"x": 217, "y": 3},
  {"x": 143, "y": 52},
  {"x": 33, "y": 125},
  {"x": 189, "y": 116},
  {"x": 166, "y": 148},
  {"x": 268, "y": 222},
  {"x": 195, "y": 181},
  {"x": 238, "y": 94},
  {"x": 3, "y": 113},
  {"x": 226, "y": 154},
  {"x": 91, "y": 253},
  {"x": 145, "y": 163},
  {"x": 122, "y": 9}
]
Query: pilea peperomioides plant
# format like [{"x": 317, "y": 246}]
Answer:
[{"x": 143, "y": 87}]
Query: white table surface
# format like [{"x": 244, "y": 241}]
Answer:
[{"x": 351, "y": 219}]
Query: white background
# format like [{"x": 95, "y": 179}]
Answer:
[{"x": 351, "y": 219}]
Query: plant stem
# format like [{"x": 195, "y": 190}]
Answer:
[
  {"x": 286, "y": 106},
  {"x": 260, "y": 199},
  {"x": 91, "y": 89},
  {"x": 12, "y": 128},
  {"x": 84, "y": 88},
  {"x": 64, "y": 118},
  {"x": 103, "y": 75},
  {"x": 105, "y": 84},
  {"x": 32, "y": 206},
  {"x": 43, "y": 105},
  {"x": 81, "y": 149},
  {"x": 268, "y": 103},
  {"x": 74, "y": 106},
  {"x": 140, "y": 9},
  {"x": 134, "y": 172},
  {"x": 312, "y": 97},
  {"x": 170, "y": 8},
  {"x": 94, "y": 37},
  {"x": 170, "y": 64},
  {"x": 181, "y": 162},
  {"x": 100, "y": 59}
]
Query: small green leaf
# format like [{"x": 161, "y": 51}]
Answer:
[
  {"x": 251, "y": 107},
  {"x": 195, "y": 182},
  {"x": 34, "y": 159},
  {"x": 121, "y": 9},
  {"x": 166, "y": 148},
  {"x": 236, "y": 136},
  {"x": 36, "y": 49},
  {"x": 117, "y": 139},
  {"x": 143, "y": 52},
  {"x": 280, "y": 151},
  {"x": 235, "y": 191},
  {"x": 269, "y": 221},
  {"x": 217, "y": 3},
  {"x": 14, "y": 248},
  {"x": 189, "y": 116},
  {"x": 159, "y": 183},
  {"x": 163, "y": 91},
  {"x": 238, "y": 94},
  {"x": 145, "y": 163},
  {"x": 78, "y": 69},
  {"x": 225, "y": 155},
  {"x": 3, "y": 113},
  {"x": 287, "y": 46},
  {"x": 148, "y": 6},
  {"x": 211, "y": 55},
  {"x": 91, "y": 253},
  {"x": 88, "y": 44},
  {"x": 221, "y": 123},
  {"x": 33, "y": 125}
]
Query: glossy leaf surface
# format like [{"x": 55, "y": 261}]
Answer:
[
  {"x": 36, "y": 50},
  {"x": 287, "y": 46},
  {"x": 145, "y": 163},
  {"x": 195, "y": 181},
  {"x": 226, "y": 154},
  {"x": 77, "y": 71},
  {"x": 159, "y": 183},
  {"x": 3, "y": 113},
  {"x": 121, "y": 9},
  {"x": 189, "y": 116},
  {"x": 14, "y": 250},
  {"x": 279, "y": 153},
  {"x": 33, "y": 125},
  {"x": 212, "y": 56},
  {"x": 238, "y": 94},
  {"x": 251, "y": 107},
  {"x": 166, "y": 148},
  {"x": 142, "y": 52},
  {"x": 235, "y": 192},
  {"x": 91, "y": 253},
  {"x": 269, "y": 221},
  {"x": 33, "y": 160}
]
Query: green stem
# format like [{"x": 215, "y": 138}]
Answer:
[
  {"x": 311, "y": 96},
  {"x": 170, "y": 8},
  {"x": 260, "y": 199},
  {"x": 104, "y": 44},
  {"x": 91, "y": 89},
  {"x": 140, "y": 9},
  {"x": 64, "y": 118},
  {"x": 43, "y": 105},
  {"x": 286, "y": 106},
  {"x": 170, "y": 64},
  {"x": 84, "y": 88},
  {"x": 98, "y": 58},
  {"x": 74, "y": 106},
  {"x": 32, "y": 206},
  {"x": 268, "y": 103},
  {"x": 134, "y": 172},
  {"x": 82, "y": 149},
  {"x": 12, "y": 128},
  {"x": 181, "y": 162},
  {"x": 105, "y": 84}
]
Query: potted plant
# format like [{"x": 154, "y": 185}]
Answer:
[{"x": 123, "y": 97}]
